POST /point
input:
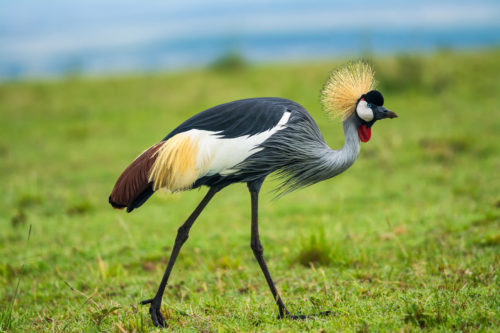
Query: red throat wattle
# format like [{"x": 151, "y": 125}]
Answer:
[{"x": 365, "y": 133}]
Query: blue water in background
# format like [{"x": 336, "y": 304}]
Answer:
[
  {"x": 47, "y": 39},
  {"x": 316, "y": 45}
]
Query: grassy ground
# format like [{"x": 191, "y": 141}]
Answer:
[{"x": 407, "y": 238}]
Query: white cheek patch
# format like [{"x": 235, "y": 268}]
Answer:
[{"x": 364, "y": 112}]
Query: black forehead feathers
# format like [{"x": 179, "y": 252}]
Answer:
[{"x": 374, "y": 97}]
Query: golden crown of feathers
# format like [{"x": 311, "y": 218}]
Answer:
[{"x": 345, "y": 86}]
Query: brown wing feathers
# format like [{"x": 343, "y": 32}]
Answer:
[{"x": 134, "y": 179}]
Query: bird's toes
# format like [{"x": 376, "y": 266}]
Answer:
[
  {"x": 301, "y": 316},
  {"x": 157, "y": 317},
  {"x": 296, "y": 317},
  {"x": 161, "y": 321},
  {"x": 325, "y": 313},
  {"x": 155, "y": 313}
]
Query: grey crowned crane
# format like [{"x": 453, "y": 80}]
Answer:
[{"x": 245, "y": 141}]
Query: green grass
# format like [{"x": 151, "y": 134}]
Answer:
[{"x": 408, "y": 238}]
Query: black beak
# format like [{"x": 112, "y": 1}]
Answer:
[{"x": 383, "y": 113}]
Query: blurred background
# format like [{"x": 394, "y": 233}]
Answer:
[{"x": 56, "y": 37}]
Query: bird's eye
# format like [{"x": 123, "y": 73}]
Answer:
[{"x": 369, "y": 105}]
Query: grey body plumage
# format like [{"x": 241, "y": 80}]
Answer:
[{"x": 299, "y": 154}]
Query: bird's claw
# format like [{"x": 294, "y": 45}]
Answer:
[
  {"x": 155, "y": 313},
  {"x": 288, "y": 315},
  {"x": 157, "y": 317}
]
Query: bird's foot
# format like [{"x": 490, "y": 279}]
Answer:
[
  {"x": 288, "y": 315},
  {"x": 155, "y": 312}
]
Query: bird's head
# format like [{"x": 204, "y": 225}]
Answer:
[
  {"x": 349, "y": 92},
  {"x": 369, "y": 109}
]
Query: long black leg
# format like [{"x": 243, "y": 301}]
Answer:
[
  {"x": 182, "y": 236},
  {"x": 258, "y": 252}
]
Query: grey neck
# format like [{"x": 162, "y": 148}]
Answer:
[
  {"x": 339, "y": 160},
  {"x": 312, "y": 160}
]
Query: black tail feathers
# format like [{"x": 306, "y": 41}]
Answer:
[{"x": 142, "y": 198}]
